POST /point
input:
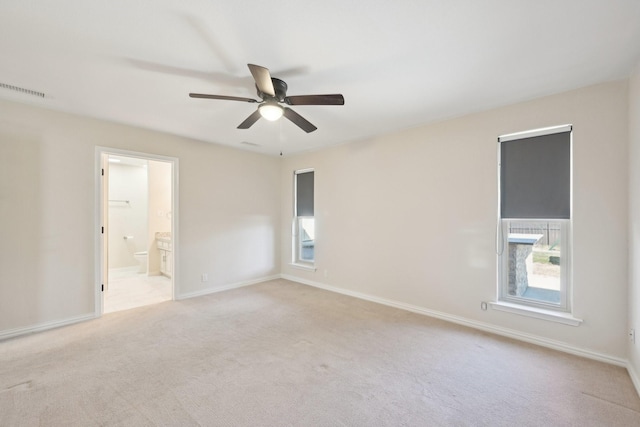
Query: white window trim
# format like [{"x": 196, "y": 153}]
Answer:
[
  {"x": 562, "y": 314},
  {"x": 565, "y": 269},
  {"x": 308, "y": 267},
  {"x": 295, "y": 226},
  {"x": 298, "y": 171},
  {"x": 296, "y": 243},
  {"x": 535, "y": 132},
  {"x": 538, "y": 313}
]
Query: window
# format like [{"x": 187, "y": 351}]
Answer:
[
  {"x": 304, "y": 233},
  {"x": 535, "y": 218}
]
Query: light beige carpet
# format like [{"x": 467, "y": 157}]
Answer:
[{"x": 284, "y": 354}]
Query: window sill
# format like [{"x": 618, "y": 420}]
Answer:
[
  {"x": 308, "y": 267},
  {"x": 538, "y": 313}
]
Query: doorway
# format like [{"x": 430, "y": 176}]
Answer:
[{"x": 137, "y": 233}]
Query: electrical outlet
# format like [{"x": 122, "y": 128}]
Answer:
[
  {"x": 632, "y": 336},
  {"x": 205, "y": 277}
]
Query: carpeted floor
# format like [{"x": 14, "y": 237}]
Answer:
[{"x": 284, "y": 354}]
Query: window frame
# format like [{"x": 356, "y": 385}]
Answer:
[
  {"x": 296, "y": 242},
  {"x": 565, "y": 267},
  {"x": 565, "y": 306}
]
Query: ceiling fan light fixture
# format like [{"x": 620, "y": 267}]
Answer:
[{"x": 271, "y": 111}]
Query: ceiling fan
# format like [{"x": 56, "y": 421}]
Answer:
[{"x": 274, "y": 93}]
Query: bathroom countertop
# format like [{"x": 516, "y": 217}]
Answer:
[{"x": 164, "y": 236}]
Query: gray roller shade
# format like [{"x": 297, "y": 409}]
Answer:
[
  {"x": 535, "y": 177},
  {"x": 304, "y": 194}
]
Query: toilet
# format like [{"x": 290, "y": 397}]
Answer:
[{"x": 141, "y": 257}]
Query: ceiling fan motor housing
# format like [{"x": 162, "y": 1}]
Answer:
[{"x": 279, "y": 87}]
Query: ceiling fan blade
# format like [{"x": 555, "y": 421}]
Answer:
[
  {"x": 263, "y": 79},
  {"x": 226, "y": 98},
  {"x": 249, "y": 121},
  {"x": 300, "y": 121},
  {"x": 333, "y": 99}
]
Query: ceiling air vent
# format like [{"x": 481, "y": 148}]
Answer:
[{"x": 21, "y": 90}]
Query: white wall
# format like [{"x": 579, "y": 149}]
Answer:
[
  {"x": 229, "y": 212},
  {"x": 634, "y": 222},
  {"x": 411, "y": 217}
]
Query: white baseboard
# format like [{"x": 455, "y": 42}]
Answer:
[
  {"x": 634, "y": 377},
  {"x": 12, "y": 333},
  {"x": 505, "y": 332},
  {"x": 226, "y": 287}
]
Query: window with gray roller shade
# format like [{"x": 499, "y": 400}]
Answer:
[
  {"x": 535, "y": 176},
  {"x": 304, "y": 194}
]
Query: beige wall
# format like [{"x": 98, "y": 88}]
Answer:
[
  {"x": 229, "y": 212},
  {"x": 634, "y": 222},
  {"x": 411, "y": 216}
]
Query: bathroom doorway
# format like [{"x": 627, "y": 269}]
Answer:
[{"x": 137, "y": 206}]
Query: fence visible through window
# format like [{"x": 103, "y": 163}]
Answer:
[{"x": 550, "y": 231}]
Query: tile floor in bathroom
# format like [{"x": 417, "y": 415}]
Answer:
[{"x": 129, "y": 289}]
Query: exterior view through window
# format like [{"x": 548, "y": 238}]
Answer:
[
  {"x": 535, "y": 218},
  {"x": 306, "y": 241},
  {"x": 304, "y": 233},
  {"x": 534, "y": 253}
]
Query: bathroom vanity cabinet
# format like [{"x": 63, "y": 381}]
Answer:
[{"x": 166, "y": 258}]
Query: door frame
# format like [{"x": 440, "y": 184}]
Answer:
[{"x": 101, "y": 249}]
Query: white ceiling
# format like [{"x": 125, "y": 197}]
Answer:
[{"x": 398, "y": 64}]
